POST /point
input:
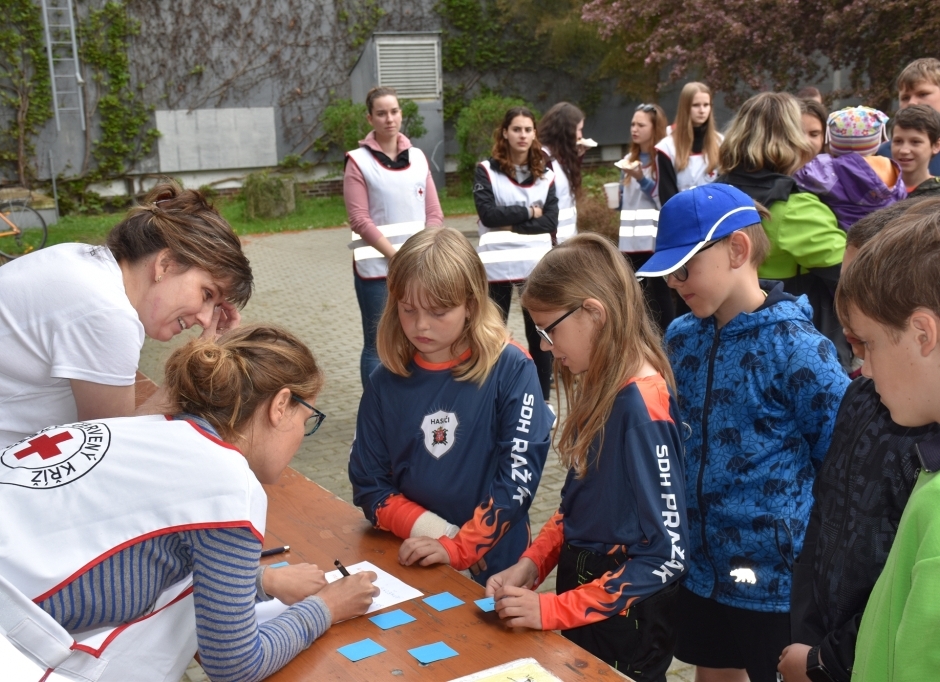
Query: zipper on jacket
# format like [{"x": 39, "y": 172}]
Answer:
[{"x": 701, "y": 472}]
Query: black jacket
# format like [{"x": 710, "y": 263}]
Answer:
[
  {"x": 493, "y": 216},
  {"x": 859, "y": 494}
]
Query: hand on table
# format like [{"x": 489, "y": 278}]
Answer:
[
  {"x": 478, "y": 567},
  {"x": 424, "y": 551},
  {"x": 350, "y": 596},
  {"x": 523, "y": 573},
  {"x": 293, "y": 583},
  {"x": 519, "y": 607},
  {"x": 793, "y": 663},
  {"x": 225, "y": 317}
]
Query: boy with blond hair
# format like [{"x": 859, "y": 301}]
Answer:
[
  {"x": 759, "y": 387},
  {"x": 919, "y": 83},
  {"x": 889, "y": 300}
]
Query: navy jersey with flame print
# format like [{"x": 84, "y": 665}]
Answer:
[
  {"x": 471, "y": 454},
  {"x": 630, "y": 502}
]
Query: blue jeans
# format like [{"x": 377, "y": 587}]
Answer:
[{"x": 371, "y": 294}]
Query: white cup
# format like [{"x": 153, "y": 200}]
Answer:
[{"x": 612, "y": 189}]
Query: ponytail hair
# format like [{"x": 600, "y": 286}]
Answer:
[
  {"x": 437, "y": 268},
  {"x": 589, "y": 266},
  {"x": 196, "y": 235},
  {"x": 226, "y": 381}
]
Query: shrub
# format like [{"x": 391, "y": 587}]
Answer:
[
  {"x": 475, "y": 125},
  {"x": 268, "y": 196}
]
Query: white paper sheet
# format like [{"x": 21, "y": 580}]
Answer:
[{"x": 394, "y": 591}]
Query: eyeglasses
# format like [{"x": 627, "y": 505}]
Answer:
[
  {"x": 648, "y": 108},
  {"x": 544, "y": 333},
  {"x": 682, "y": 272},
  {"x": 312, "y": 423}
]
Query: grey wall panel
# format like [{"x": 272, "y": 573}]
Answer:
[{"x": 215, "y": 139}]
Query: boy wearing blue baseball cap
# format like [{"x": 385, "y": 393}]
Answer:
[{"x": 760, "y": 388}]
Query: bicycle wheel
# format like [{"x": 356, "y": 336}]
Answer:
[{"x": 32, "y": 231}]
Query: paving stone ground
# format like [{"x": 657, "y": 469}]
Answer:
[{"x": 304, "y": 282}]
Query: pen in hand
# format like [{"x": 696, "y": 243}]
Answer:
[{"x": 342, "y": 569}]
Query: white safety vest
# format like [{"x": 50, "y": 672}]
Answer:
[
  {"x": 71, "y": 496},
  {"x": 396, "y": 206},
  {"x": 638, "y": 228},
  {"x": 567, "y": 208},
  {"x": 694, "y": 174},
  {"x": 639, "y": 215},
  {"x": 508, "y": 256}
]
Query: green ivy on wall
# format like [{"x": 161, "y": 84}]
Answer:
[
  {"x": 126, "y": 135},
  {"x": 25, "y": 85}
]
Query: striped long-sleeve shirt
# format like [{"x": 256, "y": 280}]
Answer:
[{"x": 224, "y": 563}]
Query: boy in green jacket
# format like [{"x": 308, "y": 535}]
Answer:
[{"x": 888, "y": 298}]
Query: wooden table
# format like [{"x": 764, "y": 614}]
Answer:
[{"x": 321, "y": 527}]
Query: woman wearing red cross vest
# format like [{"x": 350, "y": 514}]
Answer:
[
  {"x": 73, "y": 316},
  {"x": 137, "y": 539},
  {"x": 389, "y": 196}
]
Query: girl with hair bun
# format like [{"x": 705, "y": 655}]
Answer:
[
  {"x": 73, "y": 316},
  {"x": 155, "y": 504},
  {"x": 452, "y": 433},
  {"x": 619, "y": 537}
]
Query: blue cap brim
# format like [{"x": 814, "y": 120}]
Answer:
[{"x": 663, "y": 262}]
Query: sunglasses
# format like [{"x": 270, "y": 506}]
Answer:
[
  {"x": 312, "y": 423},
  {"x": 682, "y": 272},
  {"x": 544, "y": 333},
  {"x": 648, "y": 108}
]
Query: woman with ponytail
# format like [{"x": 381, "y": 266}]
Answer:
[
  {"x": 73, "y": 316},
  {"x": 152, "y": 526}
]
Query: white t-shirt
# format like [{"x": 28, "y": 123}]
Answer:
[{"x": 64, "y": 315}]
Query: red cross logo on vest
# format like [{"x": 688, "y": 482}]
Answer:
[
  {"x": 420, "y": 192},
  {"x": 44, "y": 446}
]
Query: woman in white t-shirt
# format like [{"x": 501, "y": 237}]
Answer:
[{"x": 73, "y": 316}]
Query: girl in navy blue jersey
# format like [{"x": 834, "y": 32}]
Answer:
[
  {"x": 619, "y": 536},
  {"x": 452, "y": 432}
]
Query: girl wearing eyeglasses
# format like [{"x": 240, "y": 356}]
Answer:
[
  {"x": 619, "y": 536},
  {"x": 688, "y": 157},
  {"x": 116, "y": 518},
  {"x": 452, "y": 432}
]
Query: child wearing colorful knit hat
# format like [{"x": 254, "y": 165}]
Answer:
[{"x": 850, "y": 180}]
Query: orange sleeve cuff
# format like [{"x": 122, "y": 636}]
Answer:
[
  {"x": 398, "y": 515},
  {"x": 546, "y": 548},
  {"x": 454, "y": 555}
]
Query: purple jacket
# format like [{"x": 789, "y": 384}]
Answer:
[{"x": 848, "y": 186}]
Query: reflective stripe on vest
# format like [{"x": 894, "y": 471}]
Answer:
[
  {"x": 638, "y": 230},
  {"x": 396, "y": 197},
  {"x": 511, "y": 257},
  {"x": 368, "y": 260},
  {"x": 567, "y": 224}
]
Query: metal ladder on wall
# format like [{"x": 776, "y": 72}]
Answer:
[{"x": 59, "y": 20}]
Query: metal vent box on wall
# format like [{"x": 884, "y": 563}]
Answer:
[
  {"x": 410, "y": 63},
  {"x": 216, "y": 139}
]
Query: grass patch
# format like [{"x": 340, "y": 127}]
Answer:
[{"x": 311, "y": 214}]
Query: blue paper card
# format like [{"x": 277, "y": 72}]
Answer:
[
  {"x": 279, "y": 564},
  {"x": 442, "y": 601},
  {"x": 486, "y": 604},
  {"x": 359, "y": 650},
  {"x": 392, "y": 619},
  {"x": 433, "y": 652}
]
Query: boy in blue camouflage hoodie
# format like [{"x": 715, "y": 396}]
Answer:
[{"x": 760, "y": 389}]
